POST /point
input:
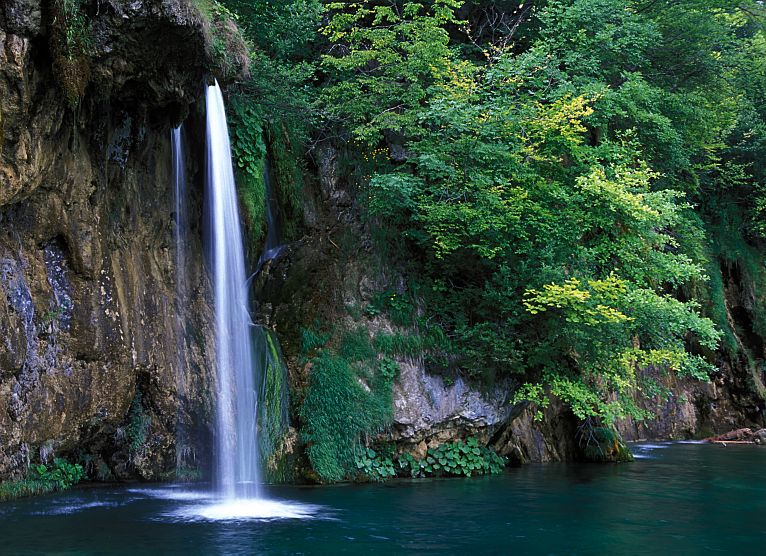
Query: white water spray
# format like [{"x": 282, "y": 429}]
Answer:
[{"x": 236, "y": 404}]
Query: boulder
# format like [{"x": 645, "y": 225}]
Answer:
[{"x": 759, "y": 437}]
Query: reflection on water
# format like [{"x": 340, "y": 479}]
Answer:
[{"x": 686, "y": 499}]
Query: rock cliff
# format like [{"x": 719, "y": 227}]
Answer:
[{"x": 88, "y": 304}]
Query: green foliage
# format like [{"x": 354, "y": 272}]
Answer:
[
  {"x": 62, "y": 474},
  {"x": 70, "y": 40},
  {"x": 76, "y": 26},
  {"x": 270, "y": 102},
  {"x": 573, "y": 198},
  {"x": 338, "y": 410},
  {"x": 451, "y": 459},
  {"x": 405, "y": 345},
  {"x": 602, "y": 444},
  {"x": 374, "y": 465},
  {"x": 389, "y": 369},
  {"x": 390, "y": 57},
  {"x": 11, "y": 490},
  {"x": 287, "y": 175},
  {"x": 544, "y": 194},
  {"x": 355, "y": 345},
  {"x": 42, "y": 479},
  {"x": 454, "y": 459},
  {"x": 137, "y": 428},
  {"x": 349, "y": 398},
  {"x": 249, "y": 154},
  {"x": 312, "y": 340},
  {"x": 280, "y": 34}
]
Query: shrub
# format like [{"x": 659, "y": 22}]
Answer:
[
  {"x": 43, "y": 479},
  {"x": 61, "y": 474},
  {"x": 337, "y": 411}
]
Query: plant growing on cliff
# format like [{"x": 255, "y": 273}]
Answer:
[
  {"x": 338, "y": 410},
  {"x": 249, "y": 153},
  {"x": 61, "y": 474},
  {"x": 227, "y": 46},
  {"x": 461, "y": 458},
  {"x": 70, "y": 44},
  {"x": 42, "y": 478},
  {"x": 574, "y": 192},
  {"x": 137, "y": 428}
]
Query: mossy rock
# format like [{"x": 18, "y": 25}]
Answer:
[{"x": 604, "y": 445}]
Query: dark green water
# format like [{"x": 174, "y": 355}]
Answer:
[{"x": 675, "y": 499}]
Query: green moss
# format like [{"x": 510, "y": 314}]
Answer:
[
  {"x": 602, "y": 444},
  {"x": 287, "y": 178},
  {"x": 715, "y": 305},
  {"x": 730, "y": 246},
  {"x": 273, "y": 419},
  {"x": 252, "y": 198},
  {"x": 349, "y": 397}
]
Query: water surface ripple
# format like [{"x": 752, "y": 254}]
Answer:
[{"x": 684, "y": 499}]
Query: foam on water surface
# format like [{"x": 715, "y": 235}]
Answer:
[{"x": 243, "y": 509}]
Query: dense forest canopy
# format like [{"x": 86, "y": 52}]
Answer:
[{"x": 561, "y": 180}]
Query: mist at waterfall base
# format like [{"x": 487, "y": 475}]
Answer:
[{"x": 241, "y": 347}]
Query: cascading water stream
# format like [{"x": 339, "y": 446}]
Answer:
[
  {"x": 180, "y": 196},
  {"x": 273, "y": 236},
  {"x": 273, "y": 396},
  {"x": 184, "y": 456},
  {"x": 236, "y": 403}
]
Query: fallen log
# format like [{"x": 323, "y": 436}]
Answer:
[
  {"x": 731, "y": 436},
  {"x": 725, "y": 442}
]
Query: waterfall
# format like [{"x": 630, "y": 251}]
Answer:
[
  {"x": 273, "y": 246},
  {"x": 236, "y": 403},
  {"x": 184, "y": 454},
  {"x": 180, "y": 195},
  {"x": 251, "y": 379}
]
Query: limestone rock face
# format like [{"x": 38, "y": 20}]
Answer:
[
  {"x": 428, "y": 409},
  {"x": 91, "y": 329}
]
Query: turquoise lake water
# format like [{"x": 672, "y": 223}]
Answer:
[{"x": 674, "y": 499}]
